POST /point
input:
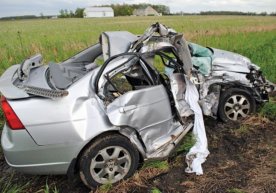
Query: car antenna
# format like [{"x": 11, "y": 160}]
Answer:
[{"x": 21, "y": 43}]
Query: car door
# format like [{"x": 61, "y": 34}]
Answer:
[{"x": 135, "y": 98}]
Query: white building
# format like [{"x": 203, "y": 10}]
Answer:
[
  {"x": 98, "y": 12},
  {"x": 148, "y": 11}
]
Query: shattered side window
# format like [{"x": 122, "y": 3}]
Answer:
[
  {"x": 164, "y": 62},
  {"x": 127, "y": 77},
  {"x": 158, "y": 64},
  {"x": 121, "y": 83}
]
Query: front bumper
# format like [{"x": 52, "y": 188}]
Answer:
[
  {"x": 260, "y": 85},
  {"x": 23, "y": 154},
  {"x": 271, "y": 87}
]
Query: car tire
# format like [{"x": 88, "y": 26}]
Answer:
[
  {"x": 108, "y": 160},
  {"x": 235, "y": 103}
]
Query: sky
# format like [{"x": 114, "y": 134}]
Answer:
[{"x": 52, "y": 7}]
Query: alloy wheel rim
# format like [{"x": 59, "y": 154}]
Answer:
[
  {"x": 237, "y": 106},
  {"x": 110, "y": 164}
]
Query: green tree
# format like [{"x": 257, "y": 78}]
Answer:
[
  {"x": 79, "y": 12},
  {"x": 66, "y": 14},
  {"x": 71, "y": 14},
  {"x": 61, "y": 13}
]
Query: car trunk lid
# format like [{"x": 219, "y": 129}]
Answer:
[
  {"x": 36, "y": 84},
  {"x": 7, "y": 87}
]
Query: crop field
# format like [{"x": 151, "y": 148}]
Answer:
[
  {"x": 251, "y": 36},
  {"x": 58, "y": 39}
]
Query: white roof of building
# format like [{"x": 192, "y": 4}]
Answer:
[{"x": 99, "y": 9}]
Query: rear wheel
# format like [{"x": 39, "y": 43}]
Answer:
[
  {"x": 108, "y": 160},
  {"x": 235, "y": 103}
]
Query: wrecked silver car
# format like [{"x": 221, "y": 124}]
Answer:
[{"x": 102, "y": 120}]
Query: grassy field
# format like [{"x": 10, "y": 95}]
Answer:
[{"x": 58, "y": 39}]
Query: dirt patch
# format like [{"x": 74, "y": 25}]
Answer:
[{"x": 242, "y": 158}]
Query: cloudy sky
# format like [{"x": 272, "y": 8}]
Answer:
[{"x": 52, "y": 7}]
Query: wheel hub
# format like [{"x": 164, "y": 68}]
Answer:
[
  {"x": 237, "y": 106},
  {"x": 110, "y": 165}
]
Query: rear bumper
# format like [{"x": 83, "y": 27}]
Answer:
[{"x": 23, "y": 154}]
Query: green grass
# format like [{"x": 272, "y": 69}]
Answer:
[
  {"x": 155, "y": 190},
  {"x": 58, "y": 39},
  {"x": 163, "y": 165},
  {"x": 269, "y": 110},
  {"x": 7, "y": 185},
  {"x": 48, "y": 189},
  {"x": 188, "y": 142},
  {"x": 105, "y": 188},
  {"x": 260, "y": 47},
  {"x": 243, "y": 129}
]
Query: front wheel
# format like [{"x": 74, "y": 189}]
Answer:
[
  {"x": 108, "y": 160},
  {"x": 235, "y": 103}
]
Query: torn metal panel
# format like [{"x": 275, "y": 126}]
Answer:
[
  {"x": 164, "y": 146},
  {"x": 166, "y": 35},
  {"x": 135, "y": 47},
  {"x": 169, "y": 146},
  {"x": 178, "y": 88},
  {"x": 48, "y": 93},
  {"x": 155, "y": 46},
  {"x": 208, "y": 103},
  {"x": 132, "y": 135},
  {"x": 230, "y": 77},
  {"x": 27, "y": 65},
  {"x": 116, "y": 42},
  {"x": 184, "y": 53},
  {"x": 36, "y": 78},
  {"x": 231, "y": 62}
]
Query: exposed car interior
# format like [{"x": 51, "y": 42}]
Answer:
[{"x": 62, "y": 75}]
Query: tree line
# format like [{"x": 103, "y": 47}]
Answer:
[
  {"x": 64, "y": 13},
  {"x": 235, "y": 13}
]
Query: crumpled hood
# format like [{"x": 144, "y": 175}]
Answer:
[{"x": 229, "y": 61}]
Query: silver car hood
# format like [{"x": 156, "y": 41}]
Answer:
[{"x": 229, "y": 61}]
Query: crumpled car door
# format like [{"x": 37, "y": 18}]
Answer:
[{"x": 146, "y": 109}]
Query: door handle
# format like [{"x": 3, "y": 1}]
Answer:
[{"x": 127, "y": 108}]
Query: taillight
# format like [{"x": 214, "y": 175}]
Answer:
[{"x": 11, "y": 118}]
